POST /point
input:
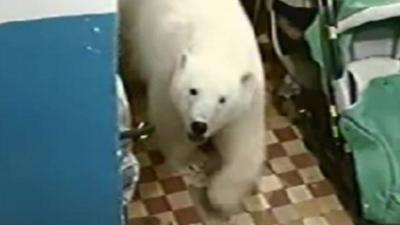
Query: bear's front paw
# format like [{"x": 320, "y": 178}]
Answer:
[
  {"x": 174, "y": 167},
  {"x": 177, "y": 162},
  {"x": 224, "y": 197}
]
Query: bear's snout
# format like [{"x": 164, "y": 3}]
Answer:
[{"x": 198, "y": 128}]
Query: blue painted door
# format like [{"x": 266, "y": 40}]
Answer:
[{"x": 58, "y": 135}]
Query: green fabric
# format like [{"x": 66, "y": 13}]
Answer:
[
  {"x": 314, "y": 37},
  {"x": 314, "y": 34},
  {"x": 350, "y": 7},
  {"x": 372, "y": 127},
  {"x": 318, "y": 44},
  {"x": 372, "y": 130},
  {"x": 346, "y": 9}
]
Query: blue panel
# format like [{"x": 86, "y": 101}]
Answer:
[{"x": 58, "y": 122}]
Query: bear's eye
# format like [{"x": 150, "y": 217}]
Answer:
[
  {"x": 193, "y": 91},
  {"x": 222, "y": 100}
]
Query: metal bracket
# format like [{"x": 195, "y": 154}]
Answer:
[{"x": 142, "y": 131}]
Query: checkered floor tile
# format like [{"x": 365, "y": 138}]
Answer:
[{"x": 293, "y": 191}]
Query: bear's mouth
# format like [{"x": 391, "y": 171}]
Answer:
[{"x": 198, "y": 139}]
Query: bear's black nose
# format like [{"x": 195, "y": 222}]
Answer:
[{"x": 198, "y": 128}]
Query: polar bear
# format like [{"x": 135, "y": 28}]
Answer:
[{"x": 205, "y": 80}]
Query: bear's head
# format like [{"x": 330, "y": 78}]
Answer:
[{"x": 208, "y": 95}]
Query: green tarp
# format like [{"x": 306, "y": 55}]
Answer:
[
  {"x": 372, "y": 128},
  {"x": 315, "y": 35},
  {"x": 314, "y": 38},
  {"x": 350, "y": 7}
]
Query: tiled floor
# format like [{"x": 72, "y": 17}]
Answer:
[{"x": 293, "y": 191}]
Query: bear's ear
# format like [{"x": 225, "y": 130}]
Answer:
[
  {"x": 180, "y": 64},
  {"x": 247, "y": 79},
  {"x": 183, "y": 60}
]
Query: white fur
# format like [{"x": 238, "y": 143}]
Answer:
[{"x": 208, "y": 45}]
